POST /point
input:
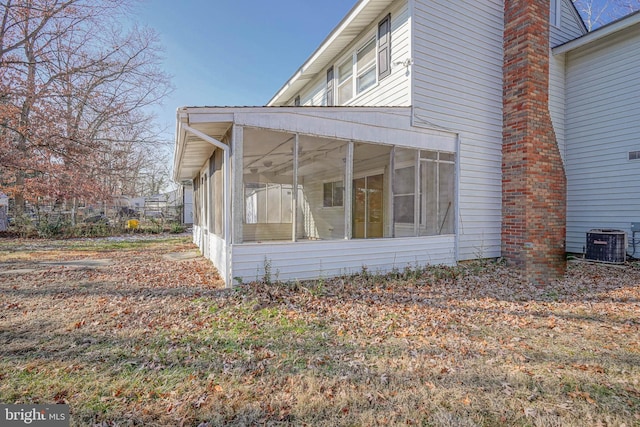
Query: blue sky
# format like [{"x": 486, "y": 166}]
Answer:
[{"x": 235, "y": 52}]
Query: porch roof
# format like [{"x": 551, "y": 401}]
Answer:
[{"x": 199, "y": 130}]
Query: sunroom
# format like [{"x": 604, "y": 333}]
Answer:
[{"x": 297, "y": 193}]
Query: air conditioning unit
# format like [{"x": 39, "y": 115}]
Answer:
[{"x": 606, "y": 245}]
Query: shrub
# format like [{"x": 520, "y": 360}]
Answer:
[{"x": 176, "y": 228}]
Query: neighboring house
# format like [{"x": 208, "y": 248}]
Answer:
[
  {"x": 419, "y": 132},
  {"x": 602, "y": 129},
  {"x": 169, "y": 205}
]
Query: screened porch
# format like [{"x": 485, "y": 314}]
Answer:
[
  {"x": 294, "y": 189},
  {"x": 319, "y": 196}
]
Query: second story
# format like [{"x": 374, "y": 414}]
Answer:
[
  {"x": 358, "y": 63},
  {"x": 405, "y": 52}
]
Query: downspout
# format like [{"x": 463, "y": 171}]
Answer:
[{"x": 226, "y": 193}]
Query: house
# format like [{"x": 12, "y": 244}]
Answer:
[
  {"x": 419, "y": 132},
  {"x": 601, "y": 128},
  {"x": 175, "y": 205}
]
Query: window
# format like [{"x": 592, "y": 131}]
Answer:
[
  {"x": 333, "y": 194},
  {"x": 268, "y": 186},
  {"x": 267, "y": 203},
  {"x": 634, "y": 155},
  {"x": 216, "y": 186},
  {"x": 363, "y": 68},
  {"x": 330, "y": 87},
  {"x": 357, "y": 73},
  {"x": 366, "y": 67}
]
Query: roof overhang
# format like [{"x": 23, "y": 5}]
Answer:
[
  {"x": 195, "y": 143},
  {"x": 600, "y": 33},
  {"x": 352, "y": 25}
]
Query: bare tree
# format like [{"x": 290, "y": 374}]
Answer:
[
  {"x": 597, "y": 13},
  {"x": 74, "y": 86}
]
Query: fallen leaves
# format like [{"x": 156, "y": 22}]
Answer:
[
  {"x": 155, "y": 339},
  {"x": 577, "y": 394}
]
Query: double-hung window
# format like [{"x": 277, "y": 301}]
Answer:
[
  {"x": 357, "y": 73},
  {"x": 363, "y": 68}
]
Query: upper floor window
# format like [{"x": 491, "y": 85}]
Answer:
[
  {"x": 363, "y": 68},
  {"x": 366, "y": 67},
  {"x": 357, "y": 73}
]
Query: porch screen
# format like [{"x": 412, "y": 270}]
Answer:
[
  {"x": 268, "y": 185},
  {"x": 437, "y": 192},
  {"x": 371, "y": 201},
  {"x": 321, "y": 175},
  {"x": 405, "y": 192},
  {"x": 394, "y": 191},
  {"x": 423, "y": 192},
  {"x": 217, "y": 193}
]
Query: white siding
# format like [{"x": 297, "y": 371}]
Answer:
[
  {"x": 314, "y": 260},
  {"x": 570, "y": 28},
  {"x": 316, "y": 95},
  {"x": 392, "y": 90},
  {"x": 217, "y": 249},
  {"x": 557, "y": 99},
  {"x": 457, "y": 48},
  {"x": 218, "y": 255},
  {"x": 602, "y": 126}
]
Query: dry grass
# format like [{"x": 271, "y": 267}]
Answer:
[{"x": 148, "y": 341}]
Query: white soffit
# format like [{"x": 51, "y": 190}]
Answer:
[{"x": 192, "y": 151}]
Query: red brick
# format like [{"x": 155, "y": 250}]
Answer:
[{"x": 533, "y": 178}]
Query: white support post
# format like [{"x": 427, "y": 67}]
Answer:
[
  {"x": 416, "y": 194},
  {"x": 348, "y": 192},
  {"x": 294, "y": 198},
  {"x": 237, "y": 184},
  {"x": 390, "y": 190}
]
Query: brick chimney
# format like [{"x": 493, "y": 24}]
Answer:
[{"x": 533, "y": 178}]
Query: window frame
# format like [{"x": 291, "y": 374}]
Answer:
[
  {"x": 335, "y": 185},
  {"x": 352, "y": 58},
  {"x": 368, "y": 67}
]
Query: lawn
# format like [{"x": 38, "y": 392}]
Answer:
[{"x": 129, "y": 336}]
